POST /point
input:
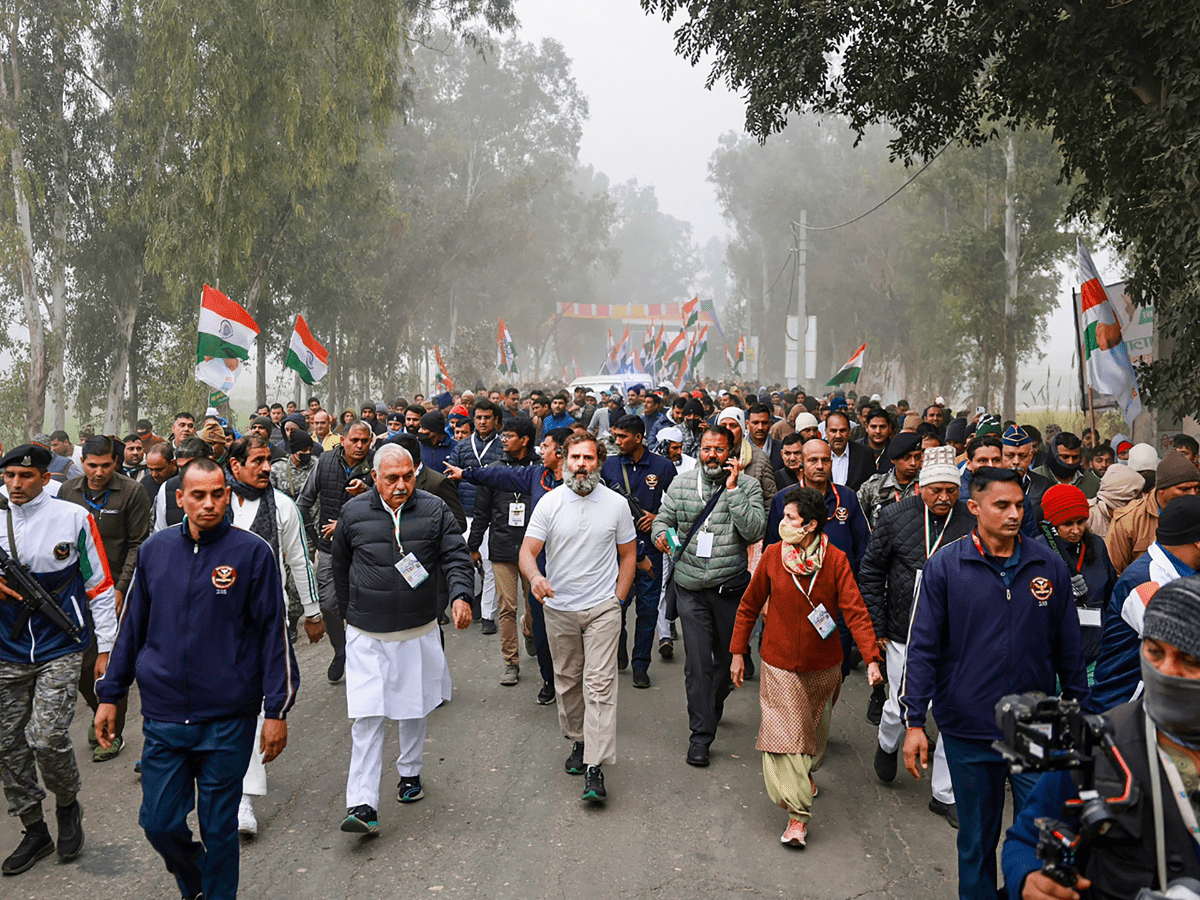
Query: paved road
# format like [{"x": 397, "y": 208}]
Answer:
[{"x": 501, "y": 819}]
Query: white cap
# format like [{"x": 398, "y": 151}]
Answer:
[
  {"x": 734, "y": 412},
  {"x": 670, "y": 434},
  {"x": 1142, "y": 458},
  {"x": 937, "y": 467},
  {"x": 875, "y": 398},
  {"x": 211, "y": 411},
  {"x": 806, "y": 420}
]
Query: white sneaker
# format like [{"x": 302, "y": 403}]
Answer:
[{"x": 247, "y": 824}]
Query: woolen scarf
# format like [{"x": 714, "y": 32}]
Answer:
[
  {"x": 799, "y": 560},
  {"x": 264, "y": 524}
]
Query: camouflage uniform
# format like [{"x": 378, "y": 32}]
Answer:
[
  {"x": 288, "y": 478},
  {"x": 880, "y": 492},
  {"x": 37, "y": 704}
]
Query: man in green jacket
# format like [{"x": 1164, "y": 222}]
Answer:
[{"x": 711, "y": 574}]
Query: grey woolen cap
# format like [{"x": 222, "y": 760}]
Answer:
[{"x": 1173, "y": 615}]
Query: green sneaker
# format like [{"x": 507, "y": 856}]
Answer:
[
  {"x": 114, "y": 750},
  {"x": 92, "y": 742}
]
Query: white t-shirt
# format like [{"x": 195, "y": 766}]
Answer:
[{"x": 581, "y": 535}]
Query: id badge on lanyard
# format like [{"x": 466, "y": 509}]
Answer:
[{"x": 819, "y": 617}]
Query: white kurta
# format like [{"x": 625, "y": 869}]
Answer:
[{"x": 405, "y": 679}]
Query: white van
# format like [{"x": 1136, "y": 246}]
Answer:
[{"x": 598, "y": 383}]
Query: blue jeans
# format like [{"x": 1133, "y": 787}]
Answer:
[
  {"x": 545, "y": 663},
  {"x": 180, "y": 763},
  {"x": 647, "y": 588},
  {"x": 977, "y": 773}
]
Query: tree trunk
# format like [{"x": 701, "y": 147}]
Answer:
[
  {"x": 57, "y": 255},
  {"x": 114, "y": 404},
  {"x": 1011, "y": 251},
  {"x": 132, "y": 411},
  {"x": 35, "y": 406}
]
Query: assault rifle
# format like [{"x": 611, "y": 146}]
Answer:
[{"x": 34, "y": 599}]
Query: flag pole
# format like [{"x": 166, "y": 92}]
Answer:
[{"x": 1083, "y": 379}]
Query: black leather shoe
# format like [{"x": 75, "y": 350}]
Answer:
[
  {"x": 70, "y": 831},
  {"x": 33, "y": 846},
  {"x": 697, "y": 755},
  {"x": 487, "y": 626},
  {"x": 875, "y": 705},
  {"x": 641, "y": 678},
  {"x": 885, "y": 764},
  {"x": 337, "y": 670},
  {"x": 948, "y": 811},
  {"x": 666, "y": 648},
  {"x": 622, "y": 657},
  {"x": 546, "y": 695}
]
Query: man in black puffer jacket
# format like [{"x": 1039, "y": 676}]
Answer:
[
  {"x": 907, "y": 533},
  {"x": 389, "y": 548}
]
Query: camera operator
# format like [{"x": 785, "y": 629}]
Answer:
[{"x": 1125, "y": 860}]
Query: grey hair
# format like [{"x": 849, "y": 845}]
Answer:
[{"x": 387, "y": 451}]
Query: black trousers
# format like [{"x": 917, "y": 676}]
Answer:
[{"x": 707, "y": 621}]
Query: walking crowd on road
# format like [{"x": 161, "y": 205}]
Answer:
[{"x": 765, "y": 534}]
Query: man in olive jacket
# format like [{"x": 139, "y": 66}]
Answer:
[
  {"x": 711, "y": 575},
  {"x": 388, "y": 551}
]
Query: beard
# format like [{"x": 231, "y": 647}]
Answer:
[
  {"x": 714, "y": 472},
  {"x": 583, "y": 486}
]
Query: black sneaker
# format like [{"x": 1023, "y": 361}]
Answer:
[
  {"x": 641, "y": 678},
  {"x": 875, "y": 705},
  {"x": 487, "y": 626},
  {"x": 666, "y": 648},
  {"x": 886, "y": 763},
  {"x": 361, "y": 820},
  {"x": 530, "y": 646},
  {"x": 410, "y": 790},
  {"x": 33, "y": 846},
  {"x": 546, "y": 695},
  {"x": 622, "y": 656},
  {"x": 948, "y": 811},
  {"x": 593, "y": 785},
  {"x": 337, "y": 670},
  {"x": 70, "y": 831},
  {"x": 574, "y": 764}
]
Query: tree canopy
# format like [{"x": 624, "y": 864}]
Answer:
[{"x": 1117, "y": 87}]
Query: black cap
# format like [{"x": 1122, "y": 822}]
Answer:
[
  {"x": 395, "y": 417},
  {"x": 31, "y": 456},
  {"x": 904, "y": 442},
  {"x": 1179, "y": 521},
  {"x": 956, "y": 431},
  {"x": 264, "y": 421},
  {"x": 433, "y": 421}
]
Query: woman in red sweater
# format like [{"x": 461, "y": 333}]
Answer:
[{"x": 808, "y": 581}]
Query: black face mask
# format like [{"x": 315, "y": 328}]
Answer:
[{"x": 1059, "y": 468}]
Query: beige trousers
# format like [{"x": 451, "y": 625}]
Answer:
[
  {"x": 508, "y": 601},
  {"x": 584, "y": 648}
]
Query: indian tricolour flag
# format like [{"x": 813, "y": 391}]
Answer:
[
  {"x": 506, "y": 353},
  {"x": 849, "y": 372},
  {"x": 306, "y": 355},
  {"x": 226, "y": 335},
  {"x": 691, "y": 316},
  {"x": 1109, "y": 370}
]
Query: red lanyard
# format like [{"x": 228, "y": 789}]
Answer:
[{"x": 837, "y": 501}]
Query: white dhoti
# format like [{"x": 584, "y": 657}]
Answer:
[
  {"x": 892, "y": 730},
  {"x": 487, "y": 602},
  {"x": 254, "y": 782},
  {"x": 403, "y": 680}
]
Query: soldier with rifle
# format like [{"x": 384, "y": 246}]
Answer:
[{"x": 53, "y": 566}]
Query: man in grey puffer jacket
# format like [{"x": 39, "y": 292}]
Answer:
[{"x": 711, "y": 575}]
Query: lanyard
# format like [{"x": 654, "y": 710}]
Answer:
[
  {"x": 1181, "y": 796},
  {"x": 929, "y": 551},
  {"x": 396, "y": 523},
  {"x": 837, "y": 503},
  {"x": 486, "y": 447},
  {"x": 98, "y": 507},
  {"x": 807, "y": 594},
  {"x": 1055, "y": 546}
]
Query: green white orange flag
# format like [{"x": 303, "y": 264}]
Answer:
[
  {"x": 691, "y": 312},
  {"x": 1109, "y": 370},
  {"x": 306, "y": 355},
  {"x": 849, "y": 372},
  {"x": 445, "y": 382},
  {"x": 226, "y": 335},
  {"x": 506, "y": 353},
  {"x": 677, "y": 351}
]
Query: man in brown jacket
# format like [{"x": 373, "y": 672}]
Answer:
[
  {"x": 1134, "y": 527},
  {"x": 121, "y": 510}
]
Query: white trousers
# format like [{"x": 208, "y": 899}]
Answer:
[
  {"x": 254, "y": 782},
  {"x": 366, "y": 756},
  {"x": 487, "y": 602},
  {"x": 664, "y": 625},
  {"x": 892, "y": 730}
]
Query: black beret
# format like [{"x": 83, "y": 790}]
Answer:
[
  {"x": 31, "y": 456},
  {"x": 904, "y": 442}
]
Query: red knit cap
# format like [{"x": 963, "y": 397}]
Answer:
[{"x": 1064, "y": 502}]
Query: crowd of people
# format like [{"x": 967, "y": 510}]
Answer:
[{"x": 959, "y": 559}]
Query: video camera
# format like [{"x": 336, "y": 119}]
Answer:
[{"x": 1052, "y": 734}]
